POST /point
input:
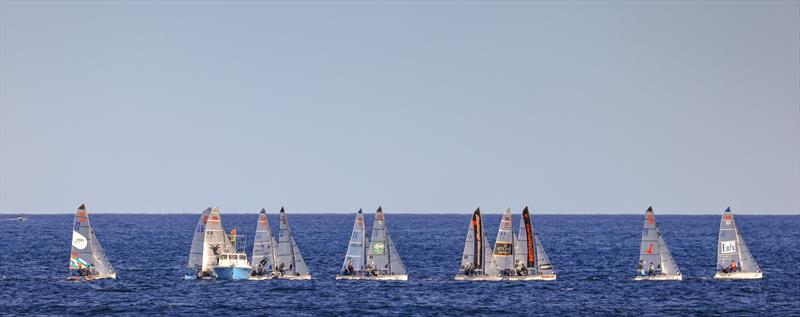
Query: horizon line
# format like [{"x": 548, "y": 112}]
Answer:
[{"x": 788, "y": 213}]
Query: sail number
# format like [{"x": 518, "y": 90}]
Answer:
[
  {"x": 501, "y": 248},
  {"x": 728, "y": 246}
]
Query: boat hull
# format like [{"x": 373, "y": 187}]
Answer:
[
  {"x": 478, "y": 278},
  {"x": 293, "y": 277},
  {"x": 739, "y": 276},
  {"x": 373, "y": 278},
  {"x": 112, "y": 276},
  {"x": 232, "y": 273},
  {"x": 678, "y": 277},
  {"x": 260, "y": 277},
  {"x": 543, "y": 277}
]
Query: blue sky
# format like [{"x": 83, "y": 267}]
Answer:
[{"x": 568, "y": 107}]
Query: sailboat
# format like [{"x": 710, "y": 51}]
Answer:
[
  {"x": 382, "y": 260},
  {"x": 355, "y": 260},
  {"x": 87, "y": 260},
  {"x": 734, "y": 260},
  {"x": 655, "y": 260},
  {"x": 477, "y": 262},
  {"x": 289, "y": 263},
  {"x": 263, "y": 258},
  {"x": 208, "y": 243},
  {"x": 530, "y": 260}
]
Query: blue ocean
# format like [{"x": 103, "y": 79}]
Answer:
[{"x": 595, "y": 257}]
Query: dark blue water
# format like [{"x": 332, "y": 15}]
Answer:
[{"x": 595, "y": 257}]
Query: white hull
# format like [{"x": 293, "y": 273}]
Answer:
[
  {"x": 373, "y": 278},
  {"x": 739, "y": 276},
  {"x": 112, "y": 276},
  {"x": 260, "y": 278},
  {"x": 478, "y": 278},
  {"x": 293, "y": 277},
  {"x": 543, "y": 277},
  {"x": 678, "y": 277}
]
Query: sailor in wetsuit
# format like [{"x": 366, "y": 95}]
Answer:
[{"x": 349, "y": 270}]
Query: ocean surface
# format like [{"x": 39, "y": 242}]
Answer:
[{"x": 595, "y": 257}]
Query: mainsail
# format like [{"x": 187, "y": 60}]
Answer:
[
  {"x": 654, "y": 249},
  {"x": 289, "y": 260},
  {"x": 476, "y": 257},
  {"x": 196, "y": 252},
  {"x": 528, "y": 248},
  {"x": 731, "y": 247},
  {"x": 86, "y": 251},
  {"x": 215, "y": 242},
  {"x": 357, "y": 248},
  {"x": 382, "y": 253},
  {"x": 264, "y": 244},
  {"x": 504, "y": 245}
]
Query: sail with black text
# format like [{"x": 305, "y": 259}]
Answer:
[
  {"x": 87, "y": 260},
  {"x": 734, "y": 260}
]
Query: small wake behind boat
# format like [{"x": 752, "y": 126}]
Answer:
[
  {"x": 477, "y": 264},
  {"x": 734, "y": 260},
  {"x": 289, "y": 263},
  {"x": 87, "y": 260},
  {"x": 263, "y": 258},
  {"x": 655, "y": 260},
  {"x": 383, "y": 261}
]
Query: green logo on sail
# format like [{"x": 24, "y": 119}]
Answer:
[{"x": 378, "y": 248}]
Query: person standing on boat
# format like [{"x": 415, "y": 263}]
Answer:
[
  {"x": 733, "y": 266},
  {"x": 350, "y": 270},
  {"x": 651, "y": 271},
  {"x": 641, "y": 267}
]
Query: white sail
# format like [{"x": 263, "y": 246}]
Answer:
[
  {"x": 263, "y": 245},
  {"x": 357, "y": 247},
  {"x": 543, "y": 265},
  {"x": 653, "y": 251},
  {"x": 215, "y": 242},
  {"x": 732, "y": 249},
  {"x": 86, "y": 253},
  {"x": 504, "y": 245},
  {"x": 476, "y": 259},
  {"x": 289, "y": 261},
  {"x": 383, "y": 255},
  {"x": 195, "y": 263}
]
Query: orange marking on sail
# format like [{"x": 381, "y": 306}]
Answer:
[
  {"x": 650, "y": 219},
  {"x": 727, "y": 217},
  {"x": 83, "y": 220},
  {"x": 81, "y": 214},
  {"x": 264, "y": 221},
  {"x": 650, "y": 249}
]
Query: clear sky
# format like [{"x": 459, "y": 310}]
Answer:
[{"x": 587, "y": 107}]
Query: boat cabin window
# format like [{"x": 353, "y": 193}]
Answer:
[
  {"x": 242, "y": 257},
  {"x": 224, "y": 257}
]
